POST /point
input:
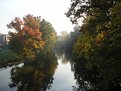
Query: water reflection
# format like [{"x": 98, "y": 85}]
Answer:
[
  {"x": 64, "y": 57},
  {"x": 43, "y": 74},
  {"x": 4, "y": 80},
  {"x": 82, "y": 77},
  {"x": 63, "y": 78},
  {"x": 36, "y": 75}
]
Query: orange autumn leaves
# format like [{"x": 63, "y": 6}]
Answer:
[{"x": 27, "y": 31}]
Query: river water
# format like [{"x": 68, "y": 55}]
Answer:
[{"x": 63, "y": 78}]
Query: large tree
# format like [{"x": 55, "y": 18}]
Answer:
[
  {"x": 26, "y": 40},
  {"x": 99, "y": 46}
]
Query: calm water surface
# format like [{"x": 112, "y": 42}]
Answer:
[{"x": 63, "y": 78}]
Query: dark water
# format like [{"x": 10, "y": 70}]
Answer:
[{"x": 53, "y": 77}]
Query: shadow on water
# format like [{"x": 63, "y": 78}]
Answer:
[{"x": 36, "y": 75}]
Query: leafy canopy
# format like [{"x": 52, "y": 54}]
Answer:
[{"x": 27, "y": 38}]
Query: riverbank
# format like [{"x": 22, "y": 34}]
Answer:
[{"x": 8, "y": 58}]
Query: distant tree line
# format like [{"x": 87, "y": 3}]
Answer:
[{"x": 65, "y": 41}]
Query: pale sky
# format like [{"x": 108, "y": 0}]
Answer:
[{"x": 50, "y": 10}]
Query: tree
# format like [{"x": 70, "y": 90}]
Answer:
[
  {"x": 64, "y": 44},
  {"x": 99, "y": 45},
  {"x": 49, "y": 35},
  {"x": 26, "y": 41},
  {"x": 84, "y": 8}
]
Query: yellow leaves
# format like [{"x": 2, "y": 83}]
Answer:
[
  {"x": 42, "y": 43},
  {"x": 35, "y": 46},
  {"x": 29, "y": 54},
  {"x": 86, "y": 46},
  {"x": 100, "y": 37},
  {"x": 83, "y": 46},
  {"x": 115, "y": 12}
]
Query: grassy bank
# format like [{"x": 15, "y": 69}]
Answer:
[{"x": 8, "y": 57}]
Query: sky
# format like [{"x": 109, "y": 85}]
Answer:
[{"x": 50, "y": 10}]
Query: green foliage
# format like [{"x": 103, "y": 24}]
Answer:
[
  {"x": 97, "y": 50},
  {"x": 16, "y": 45},
  {"x": 48, "y": 35}
]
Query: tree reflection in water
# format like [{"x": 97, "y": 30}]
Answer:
[
  {"x": 81, "y": 76},
  {"x": 36, "y": 75}
]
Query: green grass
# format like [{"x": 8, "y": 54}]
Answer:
[
  {"x": 6, "y": 55},
  {"x": 2, "y": 49}
]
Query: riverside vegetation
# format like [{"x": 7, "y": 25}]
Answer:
[{"x": 93, "y": 47}]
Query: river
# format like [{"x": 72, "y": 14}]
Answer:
[{"x": 63, "y": 78}]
